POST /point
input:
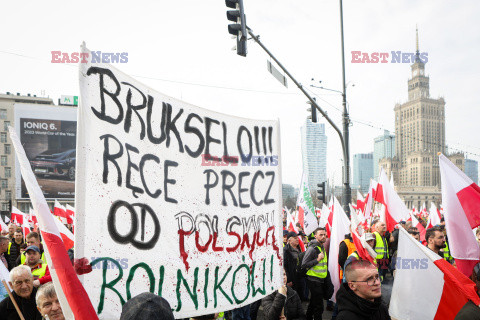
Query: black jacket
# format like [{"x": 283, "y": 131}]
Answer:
[
  {"x": 290, "y": 263},
  {"x": 14, "y": 253},
  {"x": 310, "y": 258},
  {"x": 273, "y": 304},
  {"x": 469, "y": 312},
  {"x": 27, "y": 306},
  {"x": 352, "y": 307}
]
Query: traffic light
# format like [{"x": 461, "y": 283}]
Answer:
[
  {"x": 321, "y": 192},
  {"x": 313, "y": 110},
  {"x": 238, "y": 29}
]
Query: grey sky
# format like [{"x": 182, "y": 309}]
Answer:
[{"x": 187, "y": 42}]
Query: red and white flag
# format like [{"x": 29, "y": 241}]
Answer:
[
  {"x": 70, "y": 292},
  {"x": 367, "y": 213},
  {"x": 340, "y": 227},
  {"x": 70, "y": 213},
  {"x": 461, "y": 199},
  {"x": 360, "y": 201},
  {"x": 324, "y": 216},
  {"x": 433, "y": 216},
  {"x": 420, "y": 228},
  {"x": 395, "y": 209},
  {"x": 306, "y": 210},
  {"x": 426, "y": 286},
  {"x": 18, "y": 216},
  {"x": 363, "y": 248},
  {"x": 60, "y": 211},
  {"x": 292, "y": 227},
  {"x": 3, "y": 226}
]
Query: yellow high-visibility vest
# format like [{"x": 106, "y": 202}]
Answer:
[
  {"x": 381, "y": 247},
  {"x": 320, "y": 269}
]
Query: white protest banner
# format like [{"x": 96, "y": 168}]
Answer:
[{"x": 173, "y": 199}]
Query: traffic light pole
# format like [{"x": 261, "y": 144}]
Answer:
[{"x": 347, "y": 191}]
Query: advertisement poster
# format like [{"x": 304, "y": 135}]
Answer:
[{"x": 48, "y": 135}]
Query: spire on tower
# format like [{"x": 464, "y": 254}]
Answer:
[{"x": 418, "y": 51}]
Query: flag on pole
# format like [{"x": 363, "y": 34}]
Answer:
[
  {"x": 395, "y": 209},
  {"x": 420, "y": 228},
  {"x": 3, "y": 226},
  {"x": 17, "y": 216},
  {"x": 292, "y": 227},
  {"x": 363, "y": 248},
  {"x": 360, "y": 201},
  {"x": 60, "y": 211},
  {"x": 433, "y": 216},
  {"x": 70, "y": 213},
  {"x": 306, "y": 210},
  {"x": 340, "y": 227},
  {"x": 70, "y": 292},
  {"x": 461, "y": 200},
  {"x": 426, "y": 286}
]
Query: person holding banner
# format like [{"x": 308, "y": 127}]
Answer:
[
  {"x": 283, "y": 304},
  {"x": 23, "y": 295}
]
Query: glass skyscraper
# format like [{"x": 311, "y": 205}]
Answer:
[{"x": 314, "y": 153}]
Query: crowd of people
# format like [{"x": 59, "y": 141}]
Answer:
[
  {"x": 360, "y": 293},
  {"x": 307, "y": 279}
]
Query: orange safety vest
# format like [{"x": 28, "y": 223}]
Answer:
[{"x": 351, "y": 249}]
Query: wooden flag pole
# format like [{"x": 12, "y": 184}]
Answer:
[{"x": 13, "y": 300}]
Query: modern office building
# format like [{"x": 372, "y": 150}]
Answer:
[
  {"x": 471, "y": 169},
  {"x": 383, "y": 147},
  {"x": 362, "y": 171},
  {"x": 314, "y": 153}
]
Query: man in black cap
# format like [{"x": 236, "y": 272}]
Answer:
[
  {"x": 147, "y": 306},
  {"x": 290, "y": 256}
]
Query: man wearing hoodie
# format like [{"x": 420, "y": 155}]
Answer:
[
  {"x": 360, "y": 298},
  {"x": 315, "y": 261}
]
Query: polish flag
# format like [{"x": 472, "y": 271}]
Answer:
[
  {"x": 360, "y": 202},
  {"x": 66, "y": 235},
  {"x": 340, "y": 227},
  {"x": 367, "y": 213},
  {"x": 324, "y": 216},
  {"x": 420, "y": 228},
  {"x": 373, "y": 188},
  {"x": 18, "y": 216},
  {"x": 426, "y": 286},
  {"x": 306, "y": 210},
  {"x": 395, "y": 209},
  {"x": 60, "y": 211},
  {"x": 70, "y": 292},
  {"x": 3, "y": 226},
  {"x": 292, "y": 227},
  {"x": 70, "y": 213},
  {"x": 433, "y": 216},
  {"x": 461, "y": 198},
  {"x": 34, "y": 219},
  {"x": 26, "y": 228},
  {"x": 363, "y": 248}
]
